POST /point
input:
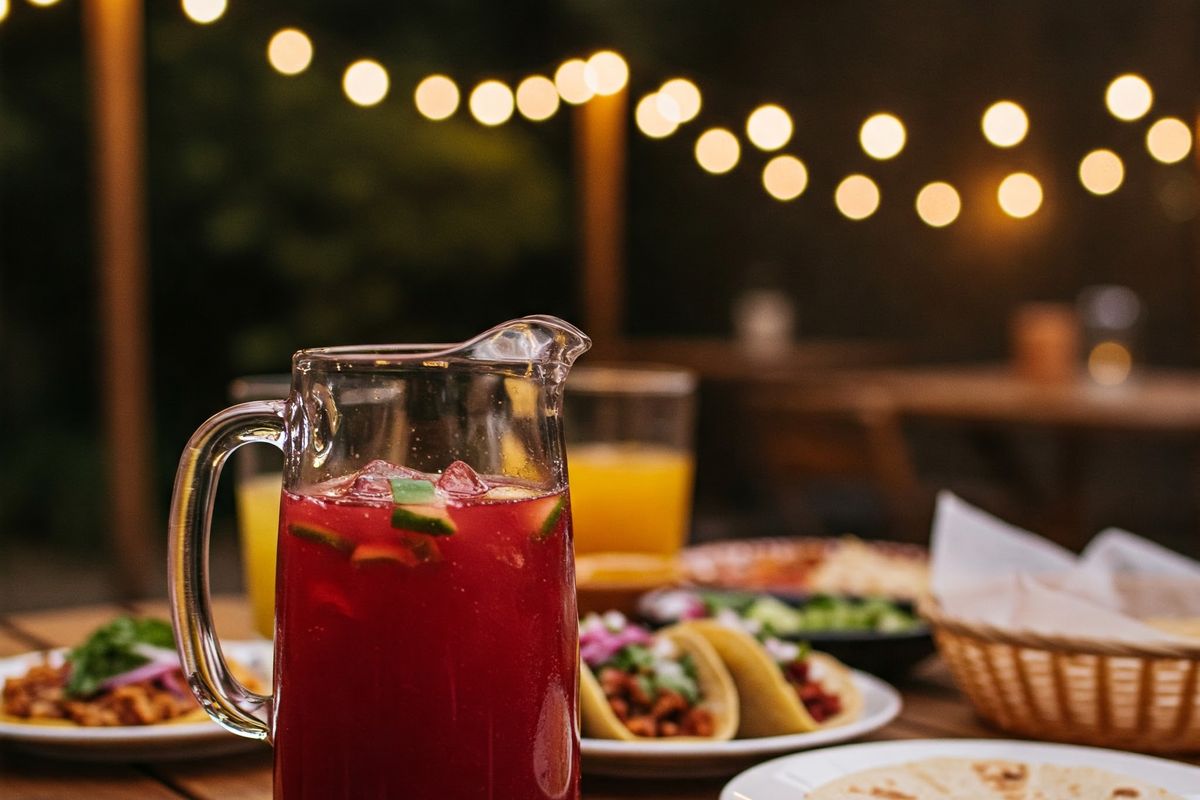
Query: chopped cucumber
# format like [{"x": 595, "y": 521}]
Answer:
[
  {"x": 776, "y": 615},
  {"x": 321, "y": 535},
  {"x": 368, "y": 553},
  {"x": 412, "y": 490},
  {"x": 432, "y": 520},
  {"x": 550, "y": 520}
]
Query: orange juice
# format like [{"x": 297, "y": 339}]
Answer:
[
  {"x": 257, "y": 500},
  {"x": 630, "y": 497}
]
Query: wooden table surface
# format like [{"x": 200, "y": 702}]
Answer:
[{"x": 933, "y": 708}]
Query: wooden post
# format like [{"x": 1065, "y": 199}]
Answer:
[
  {"x": 114, "y": 49},
  {"x": 600, "y": 130}
]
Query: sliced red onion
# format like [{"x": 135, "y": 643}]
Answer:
[
  {"x": 146, "y": 672},
  {"x": 599, "y": 645}
]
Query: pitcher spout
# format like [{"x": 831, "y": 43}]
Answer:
[{"x": 538, "y": 340}]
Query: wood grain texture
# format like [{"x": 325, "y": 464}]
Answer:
[
  {"x": 243, "y": 777},
  {"x": 63, "y": 628},
  {"x": 26, "y": 777}
]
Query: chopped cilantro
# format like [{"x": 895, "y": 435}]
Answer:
[{"x": 110, "y": 651}]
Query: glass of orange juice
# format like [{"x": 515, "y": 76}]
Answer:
[
  {"x": 630, "y": 455},
  {"x": 257, "y": 487}
]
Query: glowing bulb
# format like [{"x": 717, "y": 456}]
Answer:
[
  {"x": 1110, "y": 363},
  {"x": 365, "y": 82},
  {"x": 570, "y": 83},
  {"x": 882, "y": 136},
  {"x": 1020, "y": 195},
  {"x": 537, "y": 99},
  {"x": 290, "y": 51},
  {"x": 938, "y": 204},
  {"x": 785, "y": 177},
  {"x": 1129, "y": 97},
  {"x": 717, "y": 151},
  {"x": 1005, "y": 124},
  {"x": 3, "y": 9},
  {"x": 1101, "y": 172},
  {"x": 202, "y": 11},
  {"x": 42, "y": 3},
  {"x": 436, "y": 97},
  {"x": 1169, "y": 140},
  {"x": 492, "y": 103},
  {"x": 769, "y": 127},
  {"x": 686, "y": 96},
  {"x": 606, "y": 73},
  {"x": 668, "y": 107},
  {"x": 857, "y": 197},
  {"x": 650, "y": 120}
]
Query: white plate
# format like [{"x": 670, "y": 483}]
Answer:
[
  {"x": 881, "y": 704},
  {"x": 134, "y": 743},
  {"x": 791, "y": 777}
]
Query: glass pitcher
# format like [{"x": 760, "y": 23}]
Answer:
[{"x": 426, "y": 631}]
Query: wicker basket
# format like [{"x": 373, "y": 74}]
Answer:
[{"x": 1080, "y": 690}]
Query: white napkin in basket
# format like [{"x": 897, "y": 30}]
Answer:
[{"x": 985, "y": 570}]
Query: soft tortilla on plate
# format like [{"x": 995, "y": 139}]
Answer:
[
  {"x": 769, "y": 704},
  {"x": 1090, "y": 783},
  {"x": 881, "y": 783}
]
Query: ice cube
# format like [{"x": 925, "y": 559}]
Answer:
[
  {"x": 372, "y": 482},
  {"x": 459, "y": 480}
]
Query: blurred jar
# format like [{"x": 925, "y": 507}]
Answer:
[
  {"x": 1045, "y": 342},
  {"x": 258, "y": 484},
  {"x": 630, "y": 457},
  {"x": 1110, "y": 316}
]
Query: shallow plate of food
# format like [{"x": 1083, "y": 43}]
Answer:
[
  {"x": 704, "y": 698},
  {"x": 966, "y": 769},
  {"x": 119, "y": 696}
]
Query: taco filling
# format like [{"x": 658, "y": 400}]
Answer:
[
  {"x": 650, "y": 686},
  {"x": 804, "y": 676}
]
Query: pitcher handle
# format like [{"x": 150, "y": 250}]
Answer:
[{"x": 225, "y": 699}]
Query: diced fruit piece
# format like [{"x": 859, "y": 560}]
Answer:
[
  {"x": 432, "y": 520},
  {"x": 424, "y": 548},
  {"x": 321, "y": 535},
  {"x": 373, "y": 553},
  {"x": 545, "y": 515},
  {"x": 413, "y": 490}
]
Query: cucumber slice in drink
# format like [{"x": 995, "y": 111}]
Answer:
[
  {"x": 377, "y": 553},
  {"x": 412, "y": 490},
  {"x": 321, "y": 535},
  {"x": 547, "y": 513},
  {"x": 433, "y": 520}
]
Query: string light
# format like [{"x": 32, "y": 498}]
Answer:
[
  {"x": 1020, "y": 195},
  {"x": 882, "y": 136},
  {"x": 492, "y": 103},
  {"x": 1129, "y": 97},
  {"x": 290, "y": 51},
  {"x": 570, "y": 82},
  {"x": 1005, "y": 124},
  {"x": 769, "y": 127},
  {"x": 1101, "y": 172},
  {"x": 668, "y": 107},
  {"x": 606, "y": 73},
  {"x": 650, "y": 119},
  {"x": 365, "y": 82},
  {"x": 857, "y": 197},
  {"x": 686, "y": 97},
  {"x": 537, "y": 98},
  {"x": 938, "y": 204},
  {"x": 1169, "y": 140},
  {"x": 3, "y": 9},
  {"x": 42, "y": 3},
  {"x": 785, "y": 177},
  {"x": 436, "y": 97},
  {"x": 202, "y": 11},
  {"x": 717, "y": 151}
]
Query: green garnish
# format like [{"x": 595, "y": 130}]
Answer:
[
  {"x": 321, "y": 535},
  {"x": 551, "y": 521},
  {"x": 412, "y": 490},
  {"x": 110, "y": 651},
  {"x": 434, "y": 521}
]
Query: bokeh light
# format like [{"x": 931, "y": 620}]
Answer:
[
  {"x": 606, "y": 73},
  {"x": 365, "y": 82},
  {"x": 785, "y": 177},
  {"x": 3, "y": 9},
  {"x": 1169, "y": 140},
  {"x": 570, "y": 83},
  {"x": 769, "y": 127},
  {"x": 436, "y": 97},
  {"x": 686, "y": 96},
  {"x": 717, "y": 151},
  {"x": 537, "y": 99},
  {"x": 882, "y": 136},
  {"x": 202, "y": 11},
  {"x": 938, "y": 204},
  {"x": 857, "y": 197},
  {"x": 42, "y": 3},
  {"x": 1129, "y": 97},
  {"x": 1020, "y": 195},
  {"x": 1109, "y": 363},
  {"x": 1005, "y": 124},
  {"x": 668, "y": 107},
  {"x": 1101, "y": 172},
  {"x": 650, "y": 119},
  {"x": 492, "y": 103},
  {"x": 290, "y": 51}
]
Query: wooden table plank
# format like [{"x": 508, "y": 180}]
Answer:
[
  {"x": 64, "y": 628},
  {"x": 231, "y": 615},
  {"x": 242, "y": 777},
  {"x": 13, "y": 643},
  {"x": 26, "y": 777}
]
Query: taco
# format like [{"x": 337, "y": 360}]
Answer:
[
  {"x": 637, "y": 685},
  {"x": 783, "y": 686}
]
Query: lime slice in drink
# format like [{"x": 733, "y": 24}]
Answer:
[
  {"x": 545, "y": 514},
  {"x": 412, "y": 490},
  {"x": 433, "y": 520},
  {"x": 321, "y": 535}
]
